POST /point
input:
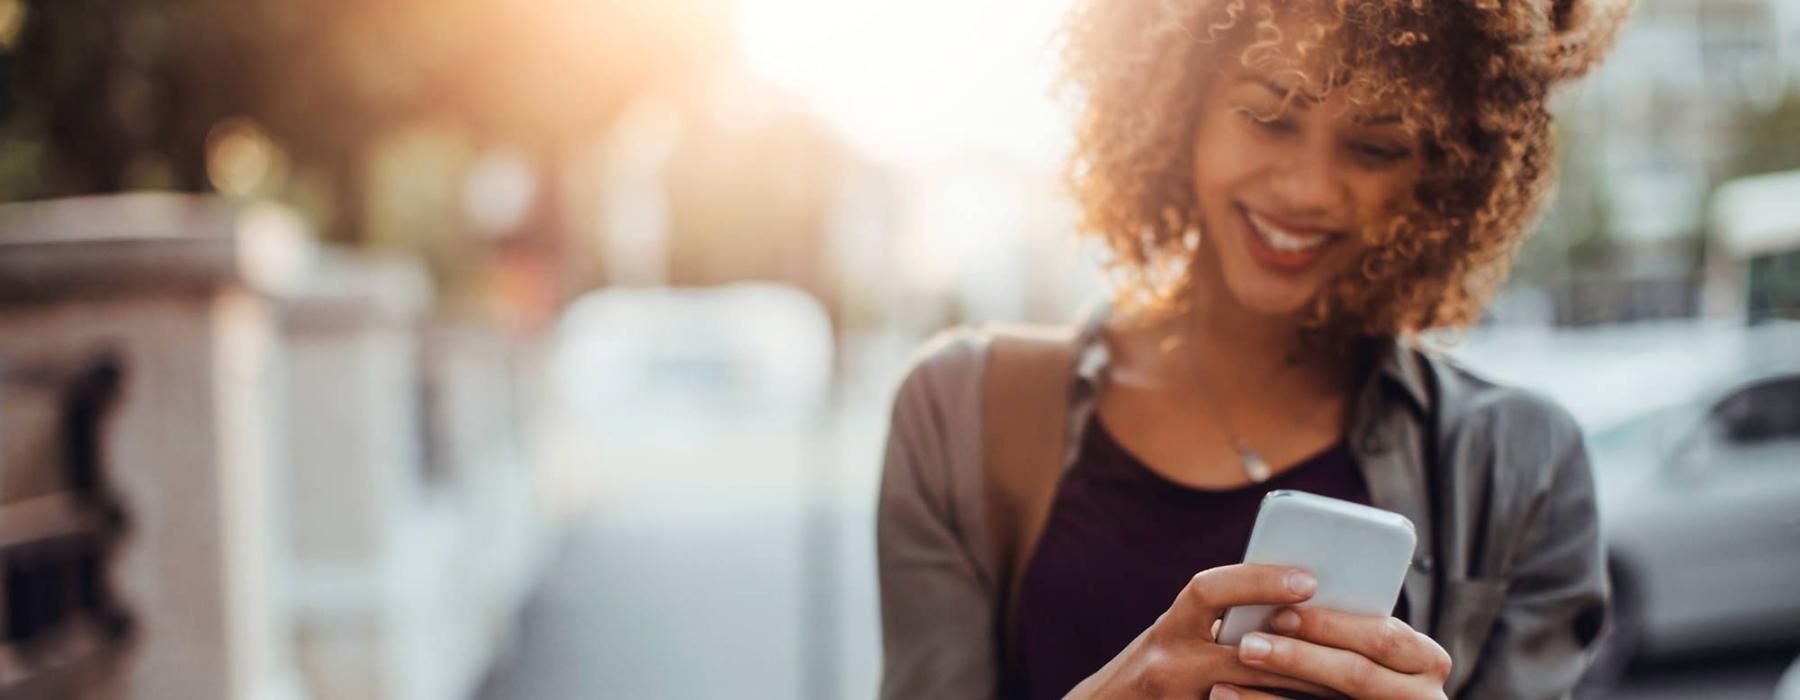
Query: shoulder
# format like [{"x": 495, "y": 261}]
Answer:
[
  {"x": 1523, "y": 431},
  {"x": 937, "y": 406},
  {"x": 955, "y": 352},
  {"x": 1470, "y": 396},
  {"x": 954, "y": 365},
  {"x": 943, "y": 369}
]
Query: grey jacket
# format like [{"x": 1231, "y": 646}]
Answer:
[{"x": 1508, "y": 575}]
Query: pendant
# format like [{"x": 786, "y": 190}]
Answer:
[{"x": 1255, "y": 467}]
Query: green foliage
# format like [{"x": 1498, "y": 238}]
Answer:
[
  {"x": 110, "y": 95},
  {"x": 1575, "y": 233},
  {"x": 1770, "y": 139}
]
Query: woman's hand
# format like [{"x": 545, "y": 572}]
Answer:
[
  {"x": 1177, "y": 657},
  {"x": 1355, "y": 655}
]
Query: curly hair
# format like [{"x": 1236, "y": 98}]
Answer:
[{"x": 1472, "y": 76}]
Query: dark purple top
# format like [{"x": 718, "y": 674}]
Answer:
[{"x": 1120, "y": 543}]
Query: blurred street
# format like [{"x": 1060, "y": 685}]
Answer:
[{"x": 673, "y": 598}]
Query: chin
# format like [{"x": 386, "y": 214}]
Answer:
[
  {"x": 1269, "y": 297},
  {"x": 1274, "y": 303}
]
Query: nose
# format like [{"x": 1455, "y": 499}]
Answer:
[{"x": 1309, "y": 184}]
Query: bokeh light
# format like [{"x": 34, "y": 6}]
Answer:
[
  {"x": 12, "y": 19},
  {"x": 497, "y": 191},
  {"x": 240, "y": 158}
]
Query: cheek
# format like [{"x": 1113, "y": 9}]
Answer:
[
  {"x": 1381, "y": 196},
  {"x": 1222, "y": 160}
]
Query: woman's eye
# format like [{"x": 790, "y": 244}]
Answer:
[
  {"x": 1381, "y": 153},
  {"x": 1273, "y": 124}
]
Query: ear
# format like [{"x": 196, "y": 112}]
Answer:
[{"x": 1582, "y": 33}]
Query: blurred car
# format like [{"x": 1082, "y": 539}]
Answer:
[
  {"x": 1700, "y": 507},
  {"x": 1694, "y": 432},
  {"x": 667, "y": 395},
  {"x": 662, "y": 358}
]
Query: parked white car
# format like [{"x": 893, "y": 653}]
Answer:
[{"x": 1701, "y": 508}]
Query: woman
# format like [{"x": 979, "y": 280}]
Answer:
[{"x": 1292, "y": 192}]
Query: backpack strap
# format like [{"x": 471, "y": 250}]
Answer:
[{"x": 1025, "y": 406}]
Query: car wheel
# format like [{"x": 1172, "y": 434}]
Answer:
[{"x": 1619, "y": 638}]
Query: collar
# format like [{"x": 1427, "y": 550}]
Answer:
[{"x": 1399, "y": 362}]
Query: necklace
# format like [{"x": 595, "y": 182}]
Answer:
[{"x": 1254, "y": 466}]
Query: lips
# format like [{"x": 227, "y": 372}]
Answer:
[{"x": 1283, "y": 246}]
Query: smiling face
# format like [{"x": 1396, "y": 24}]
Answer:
[{"x": 1286, "y": 182}]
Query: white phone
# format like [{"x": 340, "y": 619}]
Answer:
[{"x": 1358, "y": 553}]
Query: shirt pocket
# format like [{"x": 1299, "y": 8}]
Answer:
[{"x": 1468, "y": 610}]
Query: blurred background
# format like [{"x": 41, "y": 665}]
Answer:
[{"x": 476, "y": 349}]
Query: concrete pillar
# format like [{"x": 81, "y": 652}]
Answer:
[
  {"x": 415, "y": 535},
  {"x": 176, "y": 287}
]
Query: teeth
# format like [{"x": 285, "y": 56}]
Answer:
[{"x": 1282, "y": 240}]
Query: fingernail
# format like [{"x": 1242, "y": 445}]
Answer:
[
  {"x": 1302, "y": 583},
  {"x": 1223, "y": 692},
  {"x": 1254, "y": 647},
  {"x": 1285, "y": 621}
]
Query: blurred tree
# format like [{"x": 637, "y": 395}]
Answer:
[
  {"x": 1576, "y": 234},
  {"x": 108, "y": 95},
  {"x": 1770, "y": 139},
  {"x": 103, "y": 96}
]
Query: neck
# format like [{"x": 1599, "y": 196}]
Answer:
[
  {"x": 1245, "y": 355},
  {"x": 1226, "y": 338}
]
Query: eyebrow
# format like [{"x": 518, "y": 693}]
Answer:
[{"x": 1283, "y": 91}]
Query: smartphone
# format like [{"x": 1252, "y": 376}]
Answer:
[{"x": 1358, "y": 553}]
